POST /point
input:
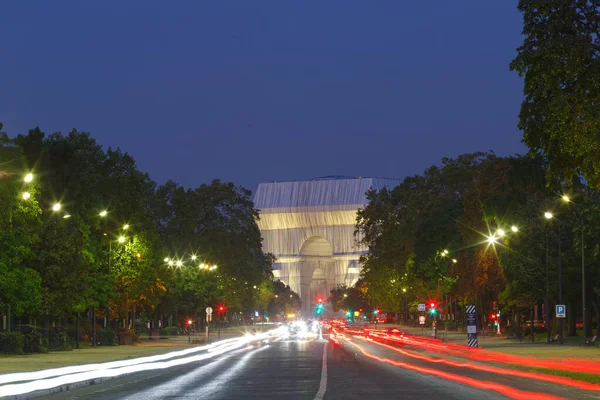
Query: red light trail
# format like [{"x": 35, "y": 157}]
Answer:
[
  {"x": 486, "y": 385},
  {"x": 497, "y": 370}
]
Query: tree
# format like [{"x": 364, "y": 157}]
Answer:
[
  {"x": 559, "y": 59},
  {"x": 430, "y": 233},
  {"x": 20, "y": 284},
  {"x": 217, "y": 223},
  {"x": 284, "y": 301}
]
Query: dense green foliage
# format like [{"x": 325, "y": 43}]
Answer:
[
  {"x": 560, "y": 62},
  {"x": 428, "y": 238},
  {"x": 105, "y": 247}
]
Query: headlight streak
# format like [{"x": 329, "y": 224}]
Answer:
[
  {"x": 118, "y": 368},
  {"x": 221, "y": 380},
  {"x": 30, "y": 376},
  {"x": 486, "y": 385},
  {"x": 497, "y": 370}
]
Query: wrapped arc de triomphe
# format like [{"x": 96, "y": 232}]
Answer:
[{"x": 309, "y": 226}]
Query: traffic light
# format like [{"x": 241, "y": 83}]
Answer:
[
  {"x": 375, "y": 311},
  {"x": 432, "y": 309},
  {"x": 320, "y": 300},
  {"x": 221, "y": 309},
  {"x": 190, "y": 322}
]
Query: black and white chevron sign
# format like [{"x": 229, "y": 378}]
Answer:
[
  {"x": 473, "y": 342},
  {"x": 471, "y": 309}
]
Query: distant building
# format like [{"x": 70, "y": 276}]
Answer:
[{"x": 309, "y": 226}]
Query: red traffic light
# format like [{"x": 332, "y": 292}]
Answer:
[
  {"x": 190, "y": 322},
  {"x": 493, "y": 316},
  {"x": 221, "y": 308},
  {"x": 432, "y": 305},
  {"x": 360, "y": 309},
  {"x": 320, "y": 300}
]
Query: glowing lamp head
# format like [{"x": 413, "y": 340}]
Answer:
[
  {"x": 190, "y": 322},
  {"x": 26, "y": 195},
  {"x": 514, "y": 229},
  {"x": 121, "y": 239},
  {"x": 548, "y": 215},
  {"x": 492, "y": 239},
  {"x": 566, "y": 198},
  {"x": 103, "y": 213},
  {"x": 125, "y": 227},
  {"x": 179, "y": 263},
  {"x": 194, "y": 257},
  {"x": 56, "y": 207},
  {"x": 28, "y": 178},
  {"x": 500, "y": 232}
]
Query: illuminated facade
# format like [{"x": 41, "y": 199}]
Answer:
[{"x": 309, "y": 226}]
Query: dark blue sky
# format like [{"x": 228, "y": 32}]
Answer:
[{"x": 255, "y": 90}]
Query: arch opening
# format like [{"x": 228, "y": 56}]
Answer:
[{"x": 316, "y": 246}]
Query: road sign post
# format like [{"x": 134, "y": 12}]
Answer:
[
  {"x": 421, "y": 306},
  {"x": 561, "y": 311},
  {"x": 472, "y": 326},
  {"x": 209, "y": 311}
]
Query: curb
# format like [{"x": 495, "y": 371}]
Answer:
[{"x": 62, "y": 388}]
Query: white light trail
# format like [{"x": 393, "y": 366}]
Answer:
[{"x": 68, "y": 375}]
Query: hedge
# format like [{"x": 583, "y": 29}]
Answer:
[
  {"x": 32, "y": 342},
  {"x": 169, "y": 331},
  {"x": 106, "y": 337},
  {"x": 58, "y": 341},
  {"x": 11, "y": 343}
]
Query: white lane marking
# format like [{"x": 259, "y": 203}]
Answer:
[{"x": 323, "y": 385}]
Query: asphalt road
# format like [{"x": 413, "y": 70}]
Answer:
[{"x": 291, "y": 369}]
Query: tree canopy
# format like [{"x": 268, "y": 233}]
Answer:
[{"x": 559, "y": 116}]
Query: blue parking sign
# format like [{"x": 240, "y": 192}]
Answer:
[{"x": 561, "y": 311}]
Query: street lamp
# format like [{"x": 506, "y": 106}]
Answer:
[
  {"x": 500, "y": 232},
  {"x": 66, "y": 216},
  {"x": 514, "y": 229},
  {"x": 445, "y": 252},
  {"x": 121, "y": 239},
  {"x": 492, "y": 239},
  {"x": 56, "y": 207},
  {"x": 103, "y": 213},
  {"x": 454, "y": 260},
  {"x": 566, "y": 198},
  {"x": 179, "y": 263},
  {"x": 26, "y": 195},
  {"x": 548, "y": 215},
  {"x": 166, "y": 259},
  {"x": 125, "y": 227},
  {"x": 28, "y": 178},
  {"x": 194, "y": 257}
]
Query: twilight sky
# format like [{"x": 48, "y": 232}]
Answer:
[{"x": 253, "y": 91}]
